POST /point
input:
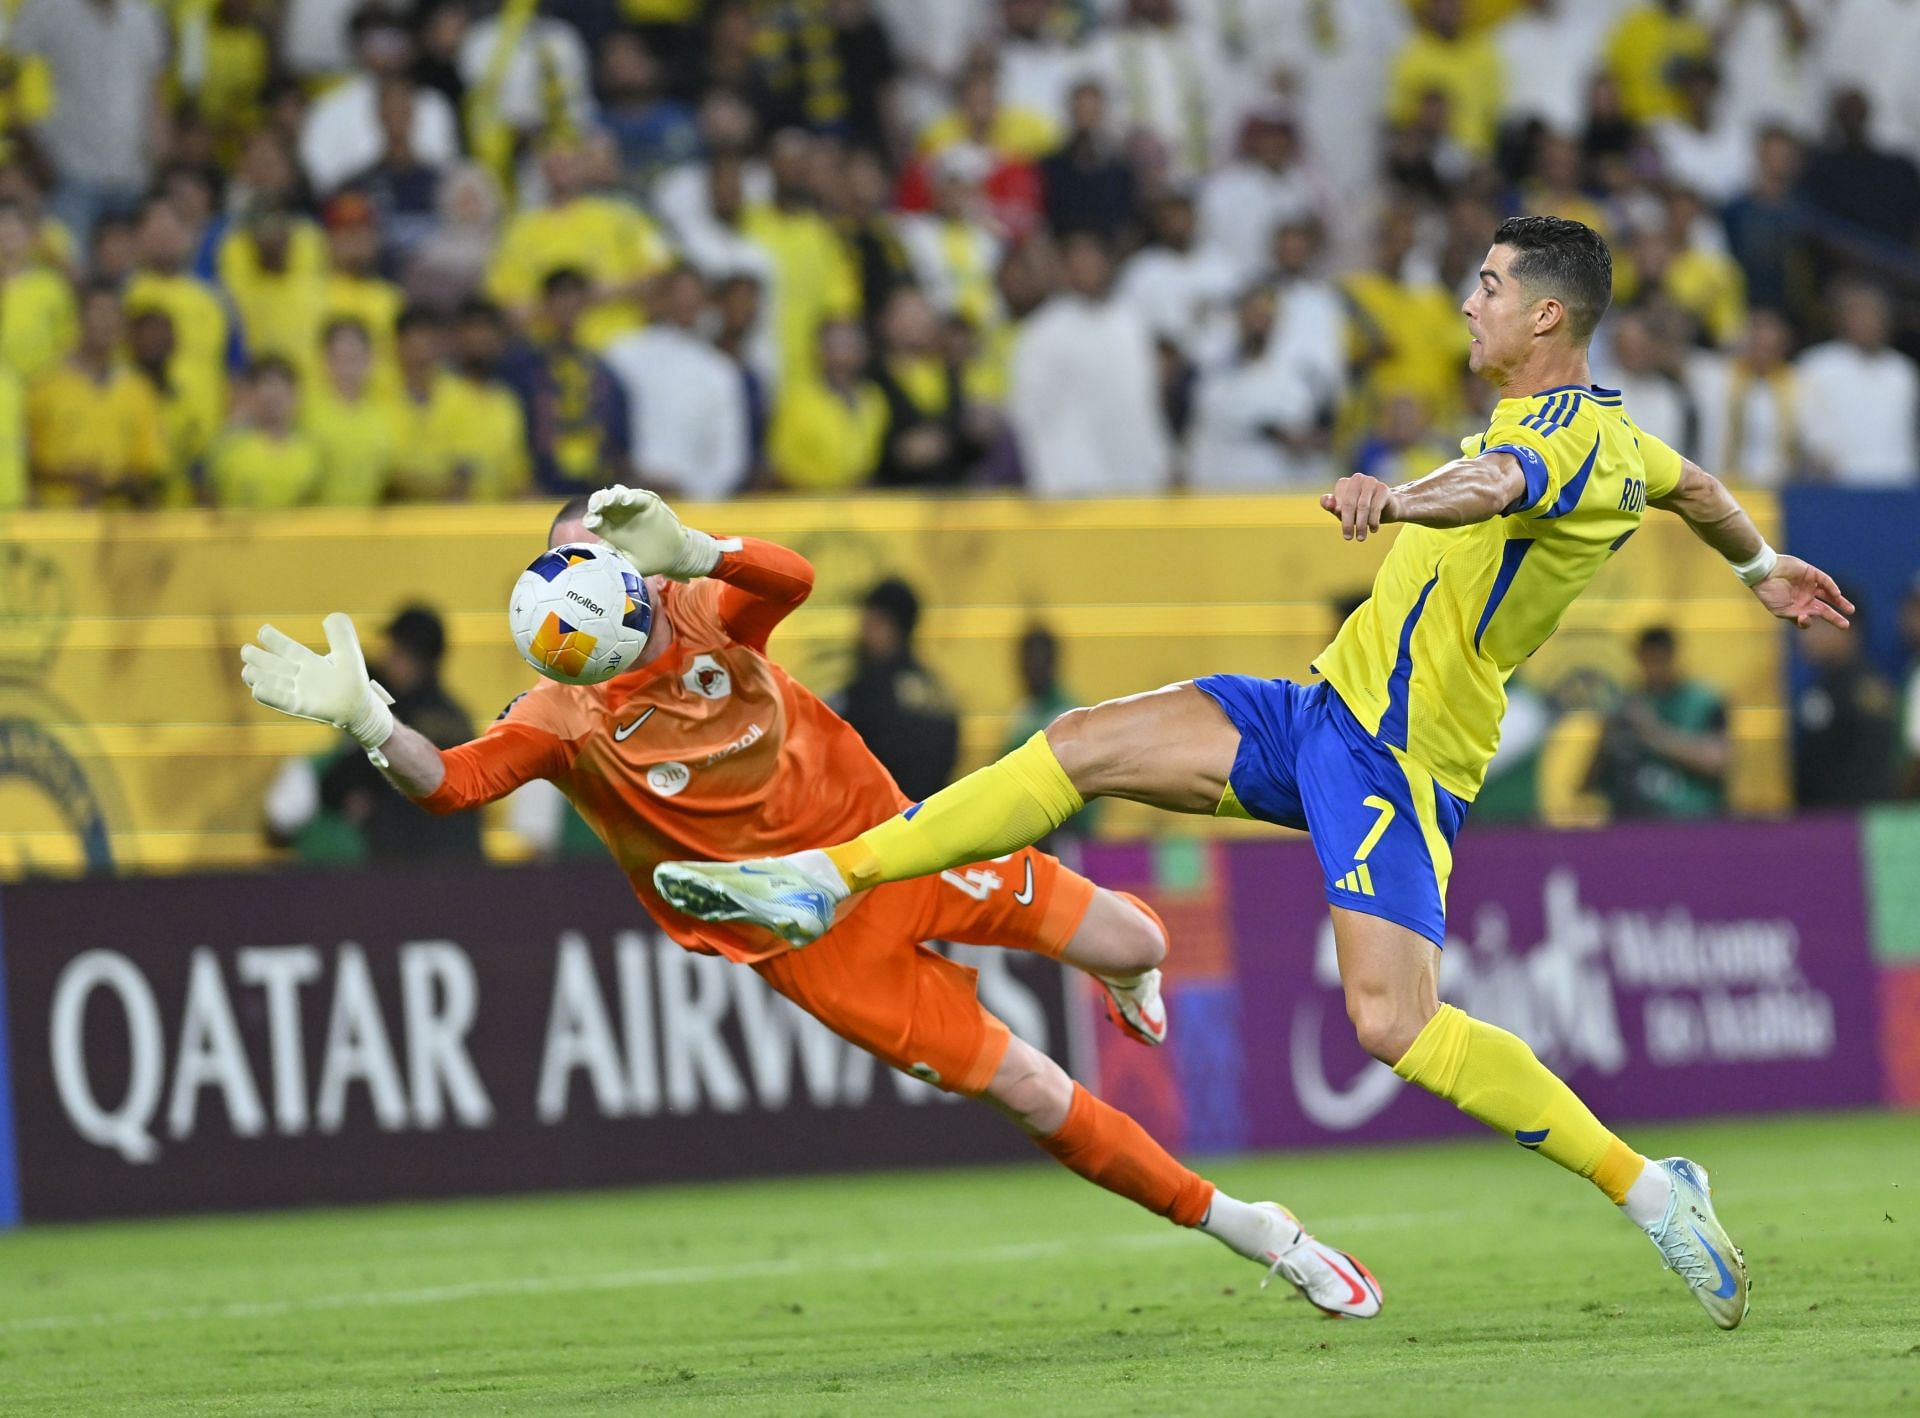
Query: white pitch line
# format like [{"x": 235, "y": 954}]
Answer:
[{"x": 652, "y": 1278}]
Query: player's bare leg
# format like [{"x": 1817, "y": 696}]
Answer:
[
  {"x": 1172, "y": 748},
  {"x": 1120, "y": 942},
  {"x": 1110, "y": 1149},
  {"x": 1391, "y": 978}
]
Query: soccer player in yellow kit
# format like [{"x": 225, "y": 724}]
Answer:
[{"x": 1381, "y": 758}]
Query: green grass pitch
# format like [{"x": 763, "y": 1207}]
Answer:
[{"x": 1510, "y": 1288}]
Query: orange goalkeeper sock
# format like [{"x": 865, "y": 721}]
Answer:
[{"x": 1111, "y": 1150}]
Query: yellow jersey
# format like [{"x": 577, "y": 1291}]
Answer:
[
  {"x": 466, "y": 439},
  {"x": 79, "y": 428},
  {"x": 252, "y": 468},
  {"x": 611, "y": 240},
  {"x": 1423, "y": 663},
  {"x": 39, "y": 322},
  {"x": 199, "y": 364},
  {"x": 821, "y": 442},
  {"x": 376, "y": 304},
  {"x": 356, "y": 443}
]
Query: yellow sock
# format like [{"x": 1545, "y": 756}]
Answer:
[
  {"x": 1492, "y": 1075},
  {"x": 1000, "y": 809}
]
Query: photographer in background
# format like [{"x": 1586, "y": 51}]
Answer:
[{"x": 1664, "y": 751}]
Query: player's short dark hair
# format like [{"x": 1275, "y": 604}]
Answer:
[
  {"x": 1656, "y": 637},
  {"x": 1565, "y": 259},
  {"x": 572, "y": 510}
]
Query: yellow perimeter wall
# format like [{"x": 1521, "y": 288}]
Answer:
[{"x": 119, "y": 634}]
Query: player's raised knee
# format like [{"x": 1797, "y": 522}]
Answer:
[{"x": 1385, "y": 1027}]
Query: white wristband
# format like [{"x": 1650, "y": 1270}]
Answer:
[
  {"x": 1757, "y": 568},
  {"x": 373, "y": 725}
]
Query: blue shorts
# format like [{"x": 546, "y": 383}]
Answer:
[{"x": 1382, "y": 828}]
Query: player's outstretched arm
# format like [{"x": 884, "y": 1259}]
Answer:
[
  {"x": 1788, "y": 587},
  {"x": 1455, "y": 494}
]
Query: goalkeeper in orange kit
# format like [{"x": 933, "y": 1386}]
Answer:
[{"x": 708, "y": 750}]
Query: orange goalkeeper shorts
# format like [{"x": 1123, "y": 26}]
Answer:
[{"x": 872, "y": 981}]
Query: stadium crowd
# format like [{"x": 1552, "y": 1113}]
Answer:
[{"x": 277, "y": 252}]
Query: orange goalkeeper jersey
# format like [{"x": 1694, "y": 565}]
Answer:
[{"x": 709, "y": 752}]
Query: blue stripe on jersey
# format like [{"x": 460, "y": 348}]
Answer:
[
  {"x": 1393, "y": 723},
  {"x": 1532, "y": 467},
  {"x": 1511, "y": 555},
  {"x": 1570, "y": 494},
  {"x": 1541, "y": 419},
  {"x": 1621, "y": 540}
]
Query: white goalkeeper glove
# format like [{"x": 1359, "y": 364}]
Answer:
[
  {"x": 642, "y": 528},
  {"x": 333, "y": 688}
]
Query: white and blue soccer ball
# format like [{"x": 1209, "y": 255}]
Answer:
[{"x": 580, "y": 613}]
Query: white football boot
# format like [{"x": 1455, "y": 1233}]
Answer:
[
  {"x": 774, "y": 892},
  {"x": 1696, "y": 1247},
  {"x": 1333, "y": 1281},
  {"x": 1133, "y": 1002}
]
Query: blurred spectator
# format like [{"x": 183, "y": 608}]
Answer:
[
  {"x": 811, "y": 274},
  {"x": 1874, "y": 189},
  {"x": 1749, "y": 406},
  {"x": 1044, "y": 699},
  {"x": 683, "y": 196},
  {"x": 1087, "y": 184},
  {"x": 425, "y": 412},
  {"x": 871, "y": 231},
  {"x": 1664, "y": 751},
  {"x": 532, "y": 74},
  {"x": 654, "y": 131},
  {"x": 222, "y": 69},
  {"x": 1910, "y": 696},
  {"x": 740, "y": 335},
  {"x": 486, "y": 433},
  {"x": 1174, "y": 91},
  {"x": 1444, "y": 57},
  {"x": 352, "y": 428},
  {"x": 1859, "y": 408},
  {"x": 343, "y": 133},
  {"x": 687, "y": 406},
  {"x": 1660, "y": 403},
  {"x": 112, "y": 252},
  {"x": 107, "y": 60},
  {"x": 1845, "y": 721},
  {"x": 1704, "y": 146},
  {"x": 896, "y": 705},
  {"x": 1407, "y": 327},
  {"x": 575, "y": 410},
  {"x": 1243, "y": 203},
  {"x": 405, "y": 190},
  {"x": 1174, "y": 285},
  {"x": 314, "y": 39},
  {"x": 395, "y": 830},
  {"x": 1669, "y": 262},
  {"x": 929, "y": 437},
  {"x": 1764, "y": 49},
  {"x": 263, "y": 459},
  {"x": 16, "y": 477},
  {"x": 1642, "y": 54},
  {"x": 449, "y": 264},
  {"x": 1254, "y": 426},
  {"x": 273, "y": 265},
  {"x": 824, "y": 66},
  {"x": 829, "y": 429},
  {"x": 94, "y": 433},
  {"x": 355, "y": 290},
  {"x": 1084, "y": 403},
  {"x": 1405, "y": 445},
  {"x": 1547, "y": 57},
  {"x": 38, "y": 321},
  {"x": 605, "y": 238},
  {"x": 1868, "y": 46},
  {"x": 1037, "y": 67},
  {"x": 1767, "y": 229},
  {"x": 952, "y": 250},
  {"x": 188, "y": 423},
  {"x": 1008, "y": 141},
  {"x": 1555, "y": 187}
]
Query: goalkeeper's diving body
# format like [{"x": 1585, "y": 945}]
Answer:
[
  {"x": 1380, "y": 759},
  {"x": 707, "y": 748}
]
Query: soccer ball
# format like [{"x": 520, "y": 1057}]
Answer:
[{"x": 580, "y": 614}]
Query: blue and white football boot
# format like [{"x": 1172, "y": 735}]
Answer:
[
  {"x": 1697, "y": 1248},
  {"x": 775, "y": 892}
]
